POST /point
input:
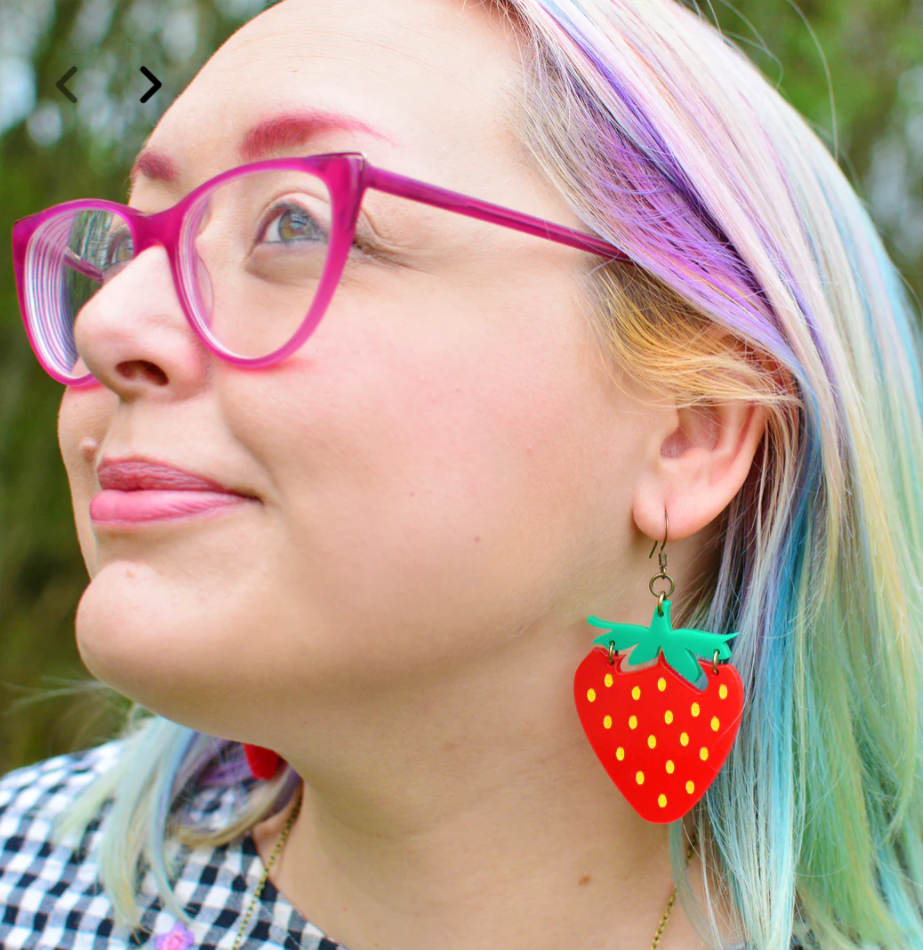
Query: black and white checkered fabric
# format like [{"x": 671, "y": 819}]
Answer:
[{"x": 51, "y": 898}]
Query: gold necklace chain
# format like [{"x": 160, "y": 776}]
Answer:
[
  {"x": 265, "y": 877},
  {"x": 291, "y": 821}
]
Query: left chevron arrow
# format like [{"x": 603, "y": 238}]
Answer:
[
  {"x": 157, "y": 84},
  {"x": 60, "y": 84}
]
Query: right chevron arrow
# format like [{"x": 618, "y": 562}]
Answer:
[{"x": 157, "y": 84}]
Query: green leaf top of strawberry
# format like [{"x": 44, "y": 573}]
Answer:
[{"x": 679, "y": 646}]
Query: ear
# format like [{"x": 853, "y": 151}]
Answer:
[{"x": 697, "y": 467}]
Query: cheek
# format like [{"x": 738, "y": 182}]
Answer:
[
  {"x": 434, "y": 466},
  {"x": 84, "y": 419}
]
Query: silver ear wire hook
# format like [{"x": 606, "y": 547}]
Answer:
[
  {"x": 666, "y": 531},
  {"x": 662, "y": 573}
]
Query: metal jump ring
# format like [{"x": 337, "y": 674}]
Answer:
[
  {"x": 665, "y": 577},
  {"x": 714, "y": 663},
  {"x": 612, "y": 653}
]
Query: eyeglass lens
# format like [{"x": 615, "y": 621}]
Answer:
[{"x": 252, "y": 255}]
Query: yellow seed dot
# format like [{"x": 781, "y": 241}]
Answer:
[
  {"x": 652, "y": 742},
  {"x": 591, "y": 695},
  {"x": 662, "y": 801},
  {"x": 636, "y": 693},
  {"x": 620, "y": 753},
  {"x": 668, "y": 717},
  {"x": 633, "y": 722},
  {"x": 639, "y": 778},
  {"x": 714, "y": 723},
  {"x": 723, "y": 691},
  {"x": 661, "y": 684},
  {"x": 703, "y": 753},
  {"x": 608, "y": 681},
  {"x": 690, "y": 787},
  {"x": 684, "y": 738},
  {"x": 670, "y": 766},
  {"x": 607, "y": 722},
  {"x": 695, "y": 709}
]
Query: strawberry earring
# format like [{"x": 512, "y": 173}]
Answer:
[{"x": 661, "y": 738}]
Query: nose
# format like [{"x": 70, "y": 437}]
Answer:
[{"x": 134, "y": 337}]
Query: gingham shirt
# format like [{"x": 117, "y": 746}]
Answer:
[{"x": 51, "y": 898}]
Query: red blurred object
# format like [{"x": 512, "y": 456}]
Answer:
[{"x": 263, "y": 762}]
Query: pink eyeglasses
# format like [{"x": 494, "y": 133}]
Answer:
[{"x": 256, "y": 254}]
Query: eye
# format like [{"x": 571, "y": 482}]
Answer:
[{"x": 290, "y": 223}]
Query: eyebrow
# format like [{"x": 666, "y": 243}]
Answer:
[
  {"x": 153, "y": 164},
  {"x": 275, "y": 133}
]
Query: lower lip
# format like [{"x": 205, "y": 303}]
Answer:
[{"x": 114, "y": 508}]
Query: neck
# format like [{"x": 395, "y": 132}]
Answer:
[{"x": 449, "y": 819}]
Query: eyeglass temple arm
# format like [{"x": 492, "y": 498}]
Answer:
[{"x": 394, "y": 184}]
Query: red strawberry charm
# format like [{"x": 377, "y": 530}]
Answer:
[{"x": 661, "y": 738}]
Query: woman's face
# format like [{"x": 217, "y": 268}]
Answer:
[{"x": 441, "y": 470}]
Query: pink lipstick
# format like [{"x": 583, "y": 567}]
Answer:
[{"x": 136, "y": 491}]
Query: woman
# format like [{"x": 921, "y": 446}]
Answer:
[{"x": 345, "y": 566}]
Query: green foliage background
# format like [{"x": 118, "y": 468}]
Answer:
[{"x": 854, "y": 68}]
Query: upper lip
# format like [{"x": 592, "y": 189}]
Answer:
[{"x": 139, "y": 474}]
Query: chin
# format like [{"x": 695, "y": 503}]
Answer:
[{"x": 152, "y": 642}]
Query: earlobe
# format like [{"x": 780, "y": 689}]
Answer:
[{"x": 701, "y": 465}]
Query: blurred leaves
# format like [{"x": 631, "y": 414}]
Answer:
[{"x": 853, "y": 68}]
